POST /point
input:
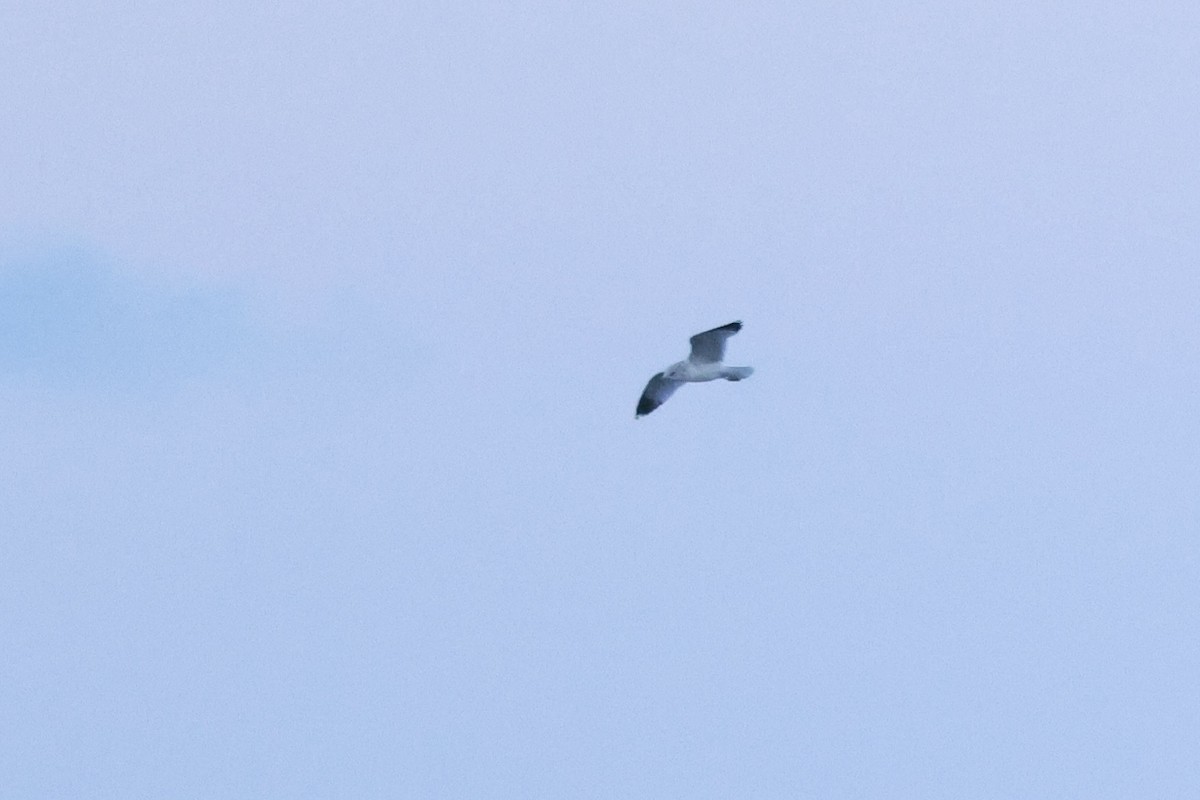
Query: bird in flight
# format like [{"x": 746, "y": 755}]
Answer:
[{"x": 704, "y": 363}]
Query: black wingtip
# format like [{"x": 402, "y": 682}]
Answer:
[
  {"x": 645, "y": 406},
  {"x": 732, "y": 327}
]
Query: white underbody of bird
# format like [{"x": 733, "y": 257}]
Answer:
[{"x": 704, "y": 363}]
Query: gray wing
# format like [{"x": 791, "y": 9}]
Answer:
[
  {"x": 656, "y": 393},
  {"x": 709, "y": 347}
]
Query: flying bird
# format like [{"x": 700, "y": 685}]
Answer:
[{"x": 702, "y": 364}]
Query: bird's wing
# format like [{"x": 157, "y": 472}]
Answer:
[
  {"x": 709, "y": 347},
  {"x": 656, "y": 393}
]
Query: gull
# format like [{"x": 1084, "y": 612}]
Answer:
[{"x": 702, "y": 364}]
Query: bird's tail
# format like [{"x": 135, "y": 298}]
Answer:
[{"x": 737, "y": 373}]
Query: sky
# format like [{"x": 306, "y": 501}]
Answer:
[{"x": 322, "y": 326}]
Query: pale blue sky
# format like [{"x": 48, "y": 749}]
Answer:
[{"x": 321, "y": 332}]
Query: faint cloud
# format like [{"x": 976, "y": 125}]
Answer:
[{"x": 67, "y": 318}]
